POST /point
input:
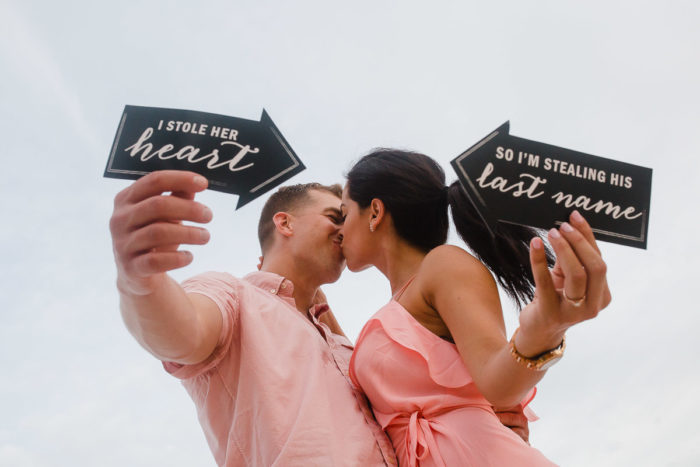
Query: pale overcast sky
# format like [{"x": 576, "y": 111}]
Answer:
[{"x": 616, "y": 79}]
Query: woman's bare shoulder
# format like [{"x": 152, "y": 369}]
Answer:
[
  {"x": 448, "y": 265},
  {"x": 451, "y": 257}
]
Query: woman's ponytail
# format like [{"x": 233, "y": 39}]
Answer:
[{"x": 506, "y": 253}]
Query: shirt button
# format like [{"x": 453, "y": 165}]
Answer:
[{"x": 273, "y": 291}]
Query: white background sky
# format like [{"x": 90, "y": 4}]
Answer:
[{"x": 615, "y": 79}]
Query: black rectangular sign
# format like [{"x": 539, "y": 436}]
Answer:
[
  {"x": 515, "y": 180},
  {"x": 236, "y": 155}
]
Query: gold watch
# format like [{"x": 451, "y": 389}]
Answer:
[{"x": 540, "y": 362}]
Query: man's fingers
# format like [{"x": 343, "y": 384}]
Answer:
[
  {"x": 162, "y": 181},
  {"x": 167, "y": 209},
  {"x": 164, "y": 234},
  {"x": 511, "y": 419},
  {"x": 159, "y": 262},
  {"x": 183, "y": 194},
  {"x": 516, "y": 421},
  {"x": 146, "y": 225},
  {"x": 524, "y": 433}
]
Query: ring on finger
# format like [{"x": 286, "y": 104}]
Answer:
[{"x": 574, "y": 301}]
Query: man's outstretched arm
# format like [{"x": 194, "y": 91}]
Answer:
[{"x": 147, "y": 229}]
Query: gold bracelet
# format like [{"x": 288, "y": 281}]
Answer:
[{"x": 542, "y": 361}]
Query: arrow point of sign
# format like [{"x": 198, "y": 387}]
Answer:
[
  {"x": 270, "y": 128},
  {"x": 266, "y": 119},
  {"x": 243, "y": 199},
  {"x": 504, "y": 129},
  {"x": 475, "y": 155}
]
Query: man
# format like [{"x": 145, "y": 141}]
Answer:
[{"x": 257, "y": 355}]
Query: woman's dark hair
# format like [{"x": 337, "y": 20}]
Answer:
[{"x": 412, "y": 187}]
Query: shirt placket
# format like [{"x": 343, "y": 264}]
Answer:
[{"x": 343, "y": 366}]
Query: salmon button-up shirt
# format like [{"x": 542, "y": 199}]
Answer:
[{"x": 276, "y": 390}]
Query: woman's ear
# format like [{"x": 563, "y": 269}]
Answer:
[
  {"x": 283, "y": 223},
  {"x": 377, "y": 212}
]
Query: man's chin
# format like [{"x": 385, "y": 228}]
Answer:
[{"x": 333, "y": 277}]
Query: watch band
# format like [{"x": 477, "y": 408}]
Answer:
[{"x": 540, "y": 362}]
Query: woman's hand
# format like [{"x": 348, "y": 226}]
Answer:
[
  {"x": 575, "y": 290},
  {"x": 319, "y": 297}
]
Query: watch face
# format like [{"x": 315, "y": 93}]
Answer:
[{"x": 550, "y": 362}]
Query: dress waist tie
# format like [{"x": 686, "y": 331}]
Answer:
[{"x": 420, "y": 442}]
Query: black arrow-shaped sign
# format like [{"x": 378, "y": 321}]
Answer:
[
  {"x": 236, "y": 155},
  {"x": 515, "y": 180}
]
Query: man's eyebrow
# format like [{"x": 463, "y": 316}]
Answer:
[{"x": 334, "y": 211}]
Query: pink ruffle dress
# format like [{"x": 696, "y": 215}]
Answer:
[{"x": 426, "y": 401}]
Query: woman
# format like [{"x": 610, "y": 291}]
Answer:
[{"x": 435, "y": 360}]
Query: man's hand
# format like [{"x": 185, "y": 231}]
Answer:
[
  {"x": 147, "y": 229},
  {"x": 515, "y": 419}
]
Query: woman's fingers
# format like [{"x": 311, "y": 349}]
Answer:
[
  {"x": 582, "y": 226},
  {"x": 558, "y": 276},
  {"x": 573, "y": 272},
  {"x": 594, "y": 270},
  {"x": 545, "y": 291},
  {"x": 583, "y": 270}
]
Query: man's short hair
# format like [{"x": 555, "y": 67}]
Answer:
[{"x": 287, "y": 199}]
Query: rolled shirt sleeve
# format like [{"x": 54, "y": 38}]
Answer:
[{"x": 221, "y": 289}]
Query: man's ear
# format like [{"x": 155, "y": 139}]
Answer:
[
  {"x": 283, "y": 223},
  {"x": 377, "y": 211}
]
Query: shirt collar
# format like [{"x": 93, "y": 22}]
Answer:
[
  {"x": 282, "y": 287},
  {"x": 271, "y": 282}
]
